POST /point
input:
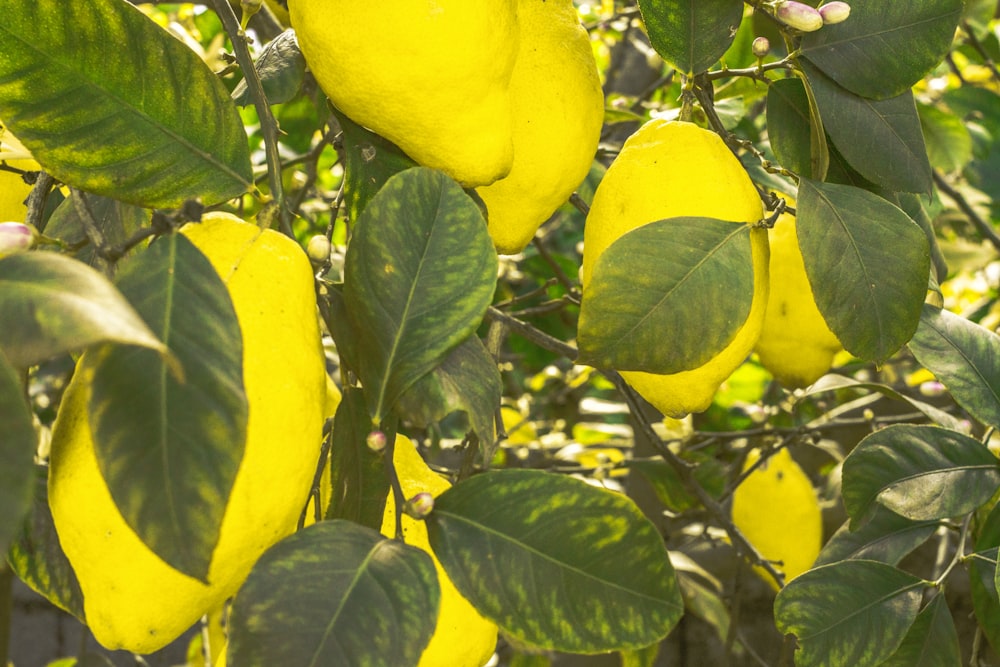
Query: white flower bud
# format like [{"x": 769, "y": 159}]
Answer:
[
  {"x": 318, "y": 249},
  {"x": 834, "y": 12},
  {"x": 760, "y": 47},
  {"x": 16, "y": 237},
  {"x": 799, "y": 16}
]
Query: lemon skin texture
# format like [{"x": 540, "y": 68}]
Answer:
[
  {"x": 13, "y": 189},
  {"x": 671, "y": 169},
  {"x": 558, "y": 110},
  {"x": 795, "y": 345},
  {"x": 776, "y": 509},
  {"x": 462, "y": 638},
  {"x": 432, "y": 77},
  {"x": 132, "y": 599}
]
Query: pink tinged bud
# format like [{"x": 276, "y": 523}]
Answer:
[
  {"x": 760, "y": 47},
  {"x": 419, "y": 506},
  {"x": 799, "y": 16},
  {"x": 376, "y": 441},
  {"x": 932, "y": 388},
  {"x": 834, "y": 12},
  {"x": 15, "y": 237}
]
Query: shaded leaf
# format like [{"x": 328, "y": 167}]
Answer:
[
  {"x": 116, "y": 220},
  {"x": 169, "y": 449},
  {"x": 982, "y": 577},
  {"x": 335, "y": 594},
  {"x": 691, "y": 278},
  {"x": 886, "y": 537},
  {"x": 18, "y": 442},
  {"x": 281, "y": 69},
  {"x": 883, "y": 48},
  {"x": 920, "y": 472},
  {"x": 855, "y": 612},
  {"x": 870, "y": 299},
  {"x": 566, "y": 541},
  {"x": 965, "y": 357},
  {"x": 50, "y": 304},
  {"x": 788, "y": 124},
  {"x": 691, "y": 35},
  {"x": 932, "y": 640},
  {"x": 667, "y": 484},
  {"x": 419, "y": 275},
  {"x": 109, "y": 102}
]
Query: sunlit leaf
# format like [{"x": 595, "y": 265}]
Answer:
[{"x": 691, "y": 35}]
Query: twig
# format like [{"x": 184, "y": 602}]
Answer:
[
  {"x": 536, "y": 336},
  {"x": 981, "y": 50},
  {"x": 36, "y": 200},
  {"x": 984, "y": 227}
]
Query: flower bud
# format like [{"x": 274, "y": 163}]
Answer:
[
  {"x": 760, "y": 46},
  {"x": 799, "y": 16},
  {"x": 834, "y": 12},
  {"x": 376, "y": 441},
  {"x": 419, "y": 506},
  {"x": 318, "y": 249},
  {"x": 16, "y": 237}
]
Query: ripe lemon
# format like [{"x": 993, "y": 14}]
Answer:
[
  {"x": 795, "y": 345},
  {"x": 776, "y": 509},
  {"x": 132, "y": 599},
  {"x": 558, "y": 110},
  {"x": 432, "y": 77},
  {"x": 462, "y": 638},
  {"x": 670, "y": 169},
  {"x": 13, "y": 189}
]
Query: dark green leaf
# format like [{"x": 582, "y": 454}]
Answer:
[
  {"x": 917, "y": 208},
  {"x": 419, "y": 274},
  {"x": 116, "y": 220},
  {"x": 335, "y": 594},
  {"x": 920, "y": 472},
  {"x": 836, "y": 382},
  {"x": 855, "y": 612},
  {"x": 467, "y": 380},
  {"x": 542, "y": 556},
  {"x": 886, "y": 537},
  {"x": 360, "y": 485},
  {"x": 871, "y": 299},
  {"x": 949, "y": 144},
  {"x": 691, "y": 35},
  {"x": 883, "y": 48},
  {"x": 965, "y": 357},
  {"x": 169, "y": 449},
  {"x": 37, "y": 558},
  {"x": 881, "y": 139},
  {"x": 669, "y": 488},
  {"x": 281, "y": 69},
  {"x": 370, "y": 160},
  {"x": 50, "y": 304},
  {"x": 689, "y": 278},
  {"x": 932, "y": 640},
  {"x": 788, "y": 124},
  {"x": 18, "y": 442},
  {"x": 983, "y": 575},
  {"x": 109, "y": 102}
]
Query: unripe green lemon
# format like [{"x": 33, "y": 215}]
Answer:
[
  {"x": 795, "y": 345},
  {"x": 558, "y": 112},
  {"x": 671, "y": 169},
  {"x": 132, "y": 599},
  {"x": 432, "y": 77}
]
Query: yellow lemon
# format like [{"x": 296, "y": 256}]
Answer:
[
  {"x": 132, "y": 599},
  {"x": 432, "y": 77},
  {"x": 670, "y": 169},
  {"x": 776, "y": 509},
  {"x": 795, "y": 345},
  {"x": 13, "y": 189},
  {"x": 558, "y": 108},
  {"x": 462, "y": 638}
]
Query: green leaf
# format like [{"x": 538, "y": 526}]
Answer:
[
  {"x": 641, "y": 657},
  {"x": 920, "y": 472},
  {"x": 691, "y": 278},
  {"x": 853, "y": 613},
  {"x": 18, "y": 443},
  {"x": 109, "y": 102},
  {"x": 667, "y": 484},
  {"x": 419, "y": 274},
  {"x": 281, "y": 69},
  {"x": 789, "y": 125},
  {"x": 886, "y": 537},
  {"x": 949, "y": 144},
  {"x": 870, "y": 299},
  {"x": 965, "y": 357},
  {"x": 169, "y": 449},
  {"x": 335, "y": 594},
  {"x": 983, "y": 575},
  {"x": 117, "y": 221},
  {"x": 837, "y": 382},
  {"x": 555, "y": 562},
  {"x": 881, "y": 139},
  {"x": 932, "y": 640},
  {"x": 467, "y": 380},
  {"x": 37, "y": 558},
  {"x": 884, "y": 48},
  {"x": 691, "y": 35},
  {"x": 50, "y": 304},
  {"x": 360, "y": 485}
]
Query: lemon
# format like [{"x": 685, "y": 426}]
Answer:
[
  {"x": 558, "y": 108},
  {"x": 671, "y": 169},
  {"x": 432, "y": 77},
  {"x": 795, "y": 345},
  {"x": 462, "y": 638},
  {"x": 13, "y": 189},
  {"x": 776, "y": 509},
  {"x": 132, "y": 599}
]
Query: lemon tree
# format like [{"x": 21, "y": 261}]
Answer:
[{"x": 613, "y": 314}]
